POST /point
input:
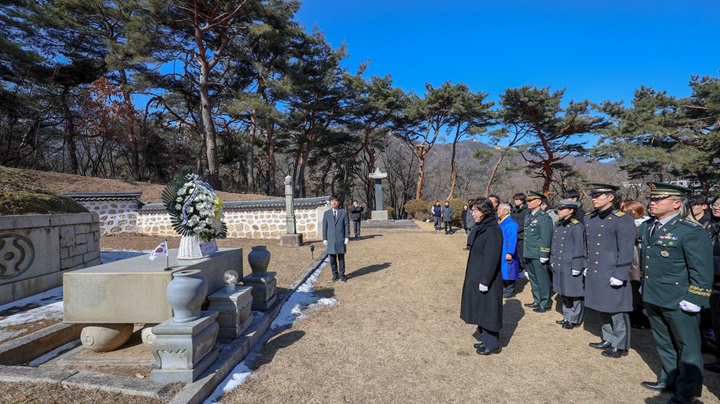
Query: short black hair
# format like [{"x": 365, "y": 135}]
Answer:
[
  {"x": 334, "y": 198},
  {"x": 697, "y": 200},
  {"x": 520, "y": 196},
  {"x": 484, "y": 206}
]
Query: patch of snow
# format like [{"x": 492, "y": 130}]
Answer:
[{"x": 296, "y": 308}]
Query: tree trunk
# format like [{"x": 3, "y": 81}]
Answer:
[
  {"x": 453, "y": 172},
  {"x": 271, "y": 164},
  {"x": 420, "y": 152},
  {"x": 213, "y": 177},
  {"x": 492, "y": 175},
  {"x": 251, "y": 152},
  {"x": 69, "y": 136},
  {"x": 132, "y": 135}
]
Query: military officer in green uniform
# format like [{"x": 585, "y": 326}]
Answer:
[
  {"x": 677, "y": 264},
  {"x": 538, "y": 229},
  {"x": 611, "y": 247}
]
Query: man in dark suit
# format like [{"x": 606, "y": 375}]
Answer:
[
  {"x": 538, "y": 237},
  {"x": 611, "y": 244},
  {"x": 677, "y": 262},
  {"x": 356, "y": 211},
  {"x": 336, "y": 234}
]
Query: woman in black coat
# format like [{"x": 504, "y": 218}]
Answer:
[{"x": 483, "y": 286}]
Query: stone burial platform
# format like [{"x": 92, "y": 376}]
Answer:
[{"x": 134, "y": 291}]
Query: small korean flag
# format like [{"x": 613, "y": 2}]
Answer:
[{"x": 160, "y": 251}]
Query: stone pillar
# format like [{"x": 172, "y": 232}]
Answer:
[
  {"x": 291, "y": 238},
  {"x": 379, "y": 213},
  {"x": 234, "y": 310},
  {"x": 183, "y": 351},
  {"x": 263, "y": 289}
]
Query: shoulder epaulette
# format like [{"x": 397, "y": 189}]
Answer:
[
  {"x": 619, "y": 213},
  {"x": 575, "y": 221},
  {"x": 689, "y": 223}
]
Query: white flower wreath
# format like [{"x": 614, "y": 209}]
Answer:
[{"x": 195, "y": 209}]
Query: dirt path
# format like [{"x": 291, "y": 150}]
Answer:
[{"x": 396, "y": 337}]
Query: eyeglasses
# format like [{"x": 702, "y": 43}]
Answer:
[{"x": 715, "y": 207}]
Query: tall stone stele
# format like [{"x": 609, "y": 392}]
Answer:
[
  {"x": 379, "y": 213},
  {"x": 291, "y": 238}
]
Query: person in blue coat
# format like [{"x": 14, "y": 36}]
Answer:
[
  {"x": 509, "y": 259},
  {"x": 336, "y": 234}
]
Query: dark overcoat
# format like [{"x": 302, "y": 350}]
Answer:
[
  {"x": 568, "y": 252},
  {"x": 335, "y": 230},
  {"x": 677, "y": 263},
  {"x": 611, "y": 243},
  {"x": 483, "y": 266},
  {"x": 356, "y": 212}
]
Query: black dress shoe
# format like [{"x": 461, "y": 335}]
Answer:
[
  {"x": 334, "y": 278},
  {"x": 657, "y": 386},
  {"x": 479, "y": 345},
  {"x": 485, "y": 351},
  {"x": 561, "y": 322},
  {"x": 343, "y": 279},
  {"x": 601, "y": 345},
  {"x": 681, "y": 399},
  {"x": 568, "y": 326},
  {"x": 614, "y": 352},
  {"x": 540, "y": 310},
  {"x": 531, "y": 305}
]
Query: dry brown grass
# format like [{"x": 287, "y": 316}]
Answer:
[{"x": 396, "y": 337}]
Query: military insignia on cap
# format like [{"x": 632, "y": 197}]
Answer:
[{"x": 664, "y": 190}]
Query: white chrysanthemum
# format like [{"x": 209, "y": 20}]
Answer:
[
  {"x": 190, "y": 209},
  {"x": 179, "y": 199},
  {"x": 178, "y": 206}
]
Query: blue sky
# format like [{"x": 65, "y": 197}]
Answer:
[{"x": 598, "y": 50}]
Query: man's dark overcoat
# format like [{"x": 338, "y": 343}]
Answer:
[
  {"x": 483, "y": 266},
  {"x": 335, "y": 230}
]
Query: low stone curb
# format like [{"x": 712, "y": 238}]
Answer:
[
  {"x": 33, "y": 345},
  {"x": 117, "y": 384}
]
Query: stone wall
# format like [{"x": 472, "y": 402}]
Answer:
[
  {"x": 35, "y": 250},
  {"x": 117, "y": 211},
  {"x": 247, "y": 219}
]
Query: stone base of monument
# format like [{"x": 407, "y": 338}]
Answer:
[
  {"x": 183, "y": 351},
  {"x": 291, "y": 240},
  {"x": 263, "y": 289},
  {"x": 379, "y": 215},
  {"x": 234, "y": 310}
]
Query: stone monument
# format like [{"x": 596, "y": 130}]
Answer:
[
  {"x": 292, "y": 238},
  {"x": 379, "y": 213}
]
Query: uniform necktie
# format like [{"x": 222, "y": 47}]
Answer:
[
  {"x": 656, "y": 225},
  {"x": 334, "y": 214}
]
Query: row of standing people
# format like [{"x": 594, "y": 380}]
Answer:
[{"x": 591, "y": 264}]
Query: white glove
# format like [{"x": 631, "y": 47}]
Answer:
[
  {"x": 325, "y": 243},
  {"x": 615, "y": 282},
  {"x": 585, "y": 272},
  {"x": 576, "y": 272},
  {"x": 689, "y": 307},
  {"x": 483, "y": 288},
  {"x": 346, "y": 240},
  {"x": 544, "y": 260}
]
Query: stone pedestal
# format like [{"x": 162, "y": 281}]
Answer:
[
  {"x": 234, "y": 311},
  {"x": 183, "y": 351},
  {"x": 379, "y": 215},
  {"x": 263, "y": 289},
  {"x": 291, "y": 240}
]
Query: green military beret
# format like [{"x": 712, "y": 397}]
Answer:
[
  {"x": 534, "y": 195},
  {"x": 600, "y": 188},
  {"x": 663, "y": 190}
]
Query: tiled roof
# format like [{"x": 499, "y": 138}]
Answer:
[{"x": 273, "y": 204}]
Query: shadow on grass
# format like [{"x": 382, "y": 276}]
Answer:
[
  {"x": 512, "y": 314},
  {"x": 367, "y": 237},
  {"x": 275, "y": 344},
  {"x": 368, "y": 270}
]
